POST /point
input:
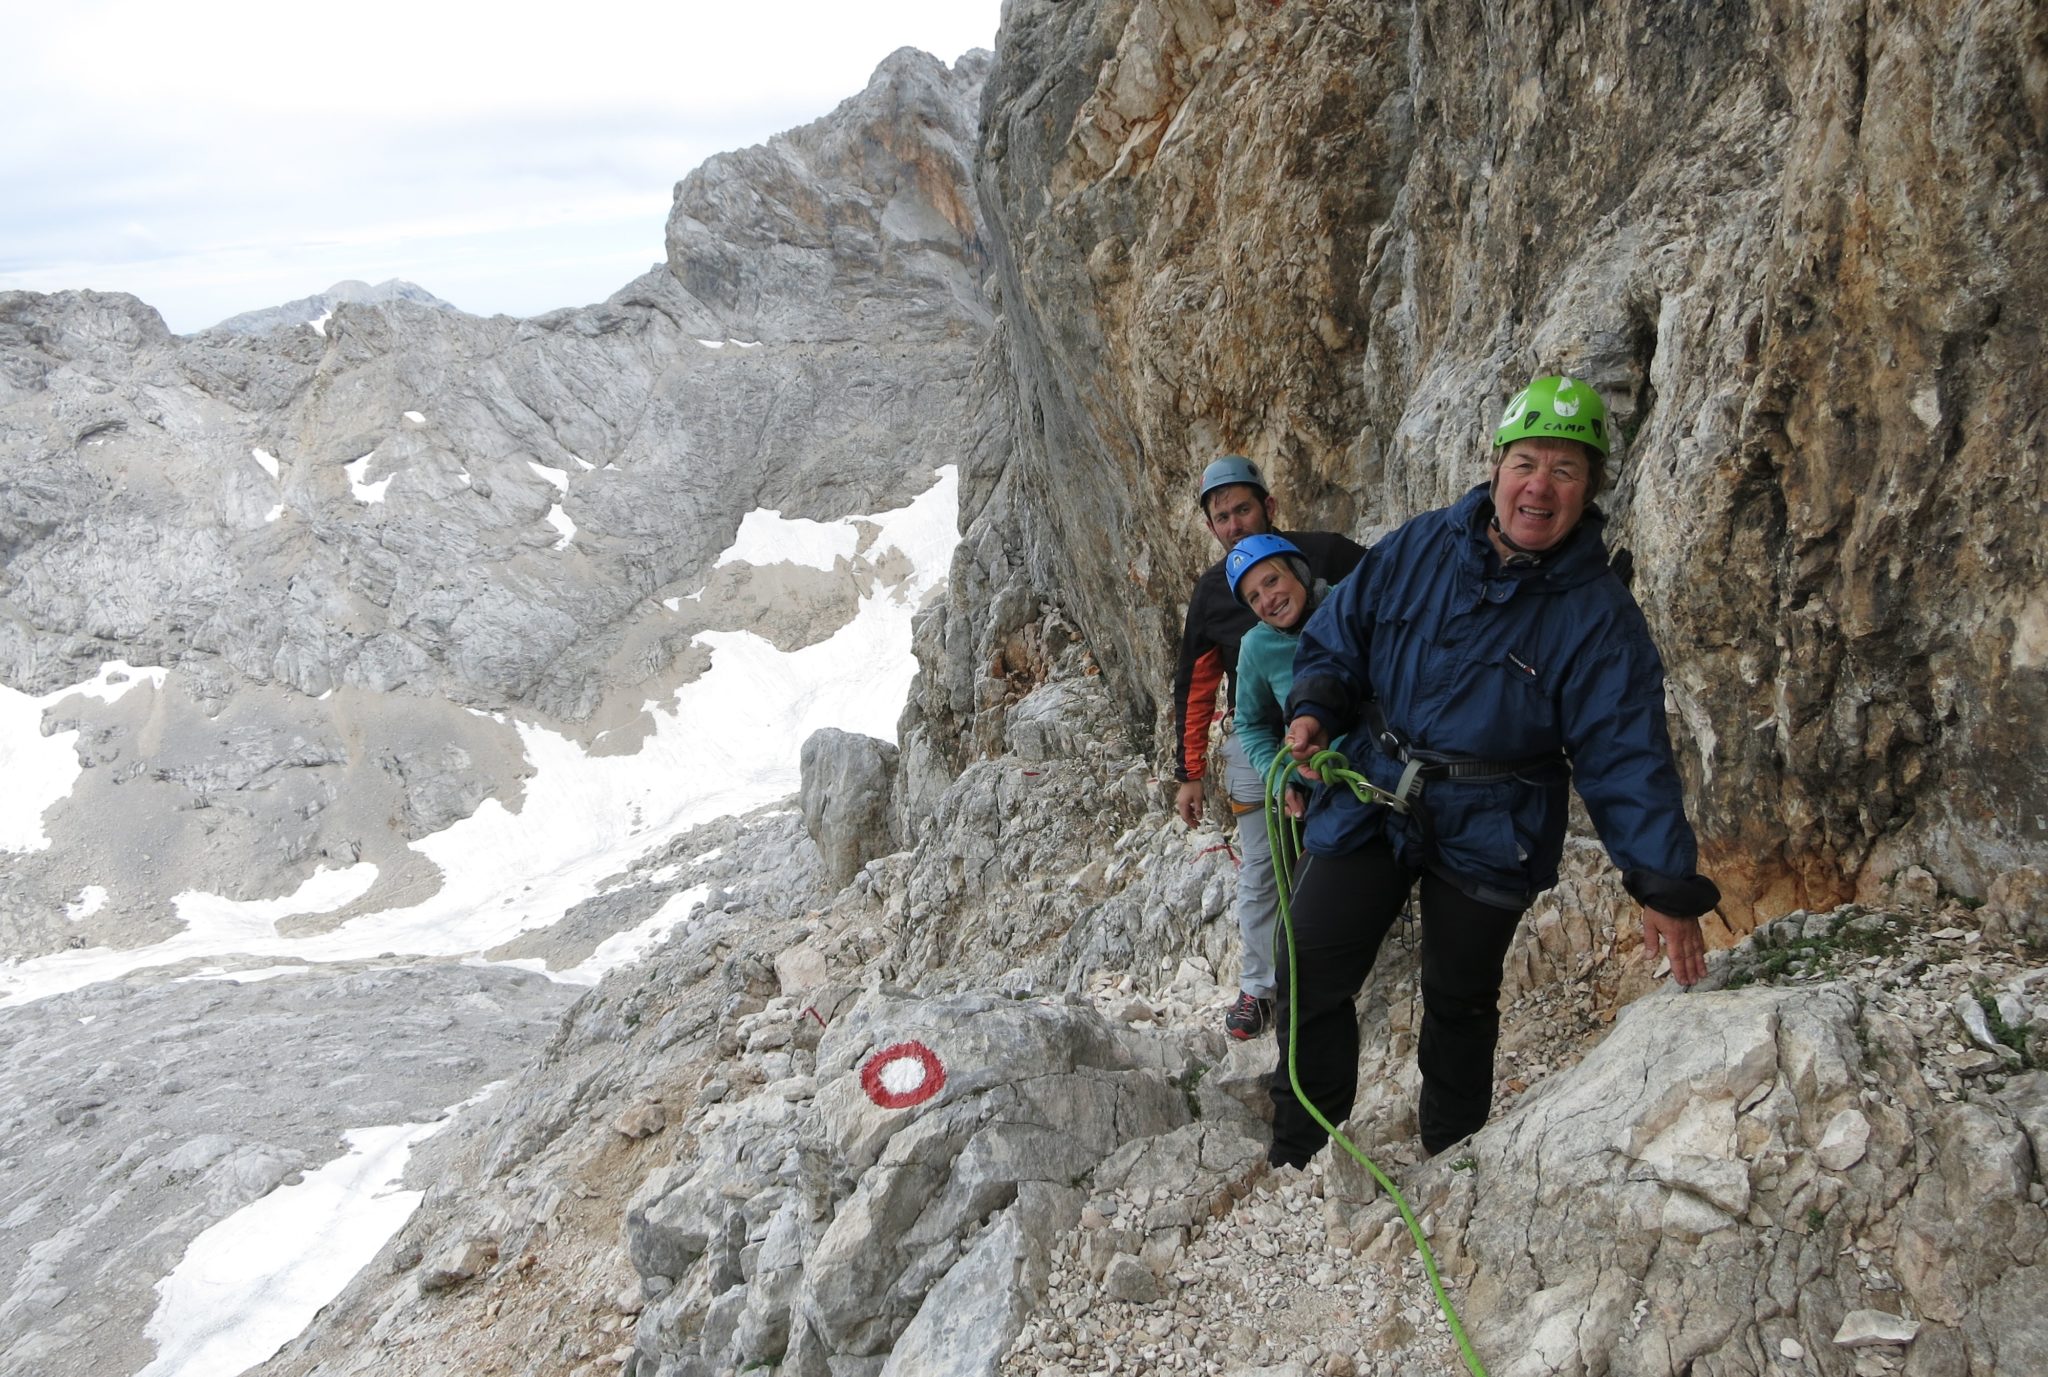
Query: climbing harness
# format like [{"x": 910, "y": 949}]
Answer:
[
  {"x": 1285, "y": 835},
  {"x": 1419, "y": 766}
]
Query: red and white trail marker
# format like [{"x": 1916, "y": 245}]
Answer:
[{"x": 903, "y": 1075}]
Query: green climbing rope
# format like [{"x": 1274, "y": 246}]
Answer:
[{"x": 1284, "y": 834}]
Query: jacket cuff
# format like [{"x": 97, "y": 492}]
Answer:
[
  {"x": 1679, "y": 896},
  {"x": 1326, "y": 699},
  {"x": 1321, "y": 714}
]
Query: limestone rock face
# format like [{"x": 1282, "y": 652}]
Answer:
[
  {"x": 1799, "y": 250},
  {"x": 873, "y": 224},
  {"x": 959, "y": 1123},
  {"x": 1677, "y": 1200}
]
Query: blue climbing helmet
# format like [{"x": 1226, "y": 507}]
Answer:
[
  {"x": 1227, "y": 471},
  {"x": 1257, "y": 549}
]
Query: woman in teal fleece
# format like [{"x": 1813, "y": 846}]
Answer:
[{"x": 1271, "y": 578}]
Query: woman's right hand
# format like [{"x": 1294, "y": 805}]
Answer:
[{"x": 1305, "y": 737}]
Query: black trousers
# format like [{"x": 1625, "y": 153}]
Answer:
[{"x": 1342, "y": 908}]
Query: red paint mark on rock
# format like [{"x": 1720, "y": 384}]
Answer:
[{"x": 903, "y": 1075}]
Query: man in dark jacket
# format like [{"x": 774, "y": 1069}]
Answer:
[
  {"x": 1236, "y": 503},
  {"x": 1485, "y": 657}
]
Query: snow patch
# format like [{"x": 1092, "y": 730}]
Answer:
[
  {"x": 624, "y": 948},
  {"x": 415, "y": 418},
  {"x": 767, "y": 537},
  {"x": 247, "y": 977},
  {"x": 41, "y": 770},
  {"x": 559, "y": 519},
  {"x": 366, "y": 492},
  {"x": 273, "y": 514},
  {"x": 268, "y": 460},
  {"x": 250, "y": 1283},
  {"x": 559, "y": 477},
  {"x": 318, "y": 325},
  {"x": 91, "y": 900}
]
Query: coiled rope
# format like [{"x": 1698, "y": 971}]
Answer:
[{"x": 1284, "y": 834}]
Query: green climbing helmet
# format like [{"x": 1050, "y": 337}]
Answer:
[{"x": 1555, "y": 408}]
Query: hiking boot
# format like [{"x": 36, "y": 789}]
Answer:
[{"x": 1248, "y": 1017}]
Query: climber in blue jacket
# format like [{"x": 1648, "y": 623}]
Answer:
[{"x": 1481, "y": 658}]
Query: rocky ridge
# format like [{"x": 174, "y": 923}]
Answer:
[
  {"x": 1787, "y": 1166},
  {"x": 315, "y": 310}
]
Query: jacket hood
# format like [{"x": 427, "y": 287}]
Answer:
[{"x": 1318, "y": 589}]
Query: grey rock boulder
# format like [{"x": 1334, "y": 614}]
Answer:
[
  {"x": 847, "y": 800},
  {"x": 1717, "y": 1173},
  {"x": 905, "y": 1212}
]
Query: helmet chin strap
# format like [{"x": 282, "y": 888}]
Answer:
[{"x": 1521, "y": 555}]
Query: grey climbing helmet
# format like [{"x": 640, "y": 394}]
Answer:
[{"x": 1229, "y": 471}]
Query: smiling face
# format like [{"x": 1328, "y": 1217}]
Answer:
[
  {"x": 1274, "y": 593},
  {"x": 1236, "y": 512},
  {"x": 1540, "y": 489}
]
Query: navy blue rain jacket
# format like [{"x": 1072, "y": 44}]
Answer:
[{"x": 1471, "y": 659}]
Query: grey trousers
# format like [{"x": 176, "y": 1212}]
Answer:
[{"x": 1258, "y": 898}]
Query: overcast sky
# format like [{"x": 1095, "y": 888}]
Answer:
[{"x": 218, "y": 156}]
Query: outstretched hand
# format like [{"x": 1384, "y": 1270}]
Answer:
[
  {"x": 1680, "y": 939},
  {"x": 1305, "y": 737}
]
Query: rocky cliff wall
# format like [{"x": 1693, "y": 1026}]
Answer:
[{"x": 1799, "y": 248}]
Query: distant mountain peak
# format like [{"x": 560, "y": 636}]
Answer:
[{"x": 309, "y": 309}]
